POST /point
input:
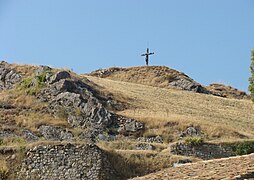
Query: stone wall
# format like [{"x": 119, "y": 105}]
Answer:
[
  {"x": 203, "y": 151},
  {"x": 66, "y": 162}
]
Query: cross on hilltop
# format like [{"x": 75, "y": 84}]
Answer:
[{"x": 147, "y": 54}]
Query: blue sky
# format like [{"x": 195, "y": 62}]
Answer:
[{"x": 209, "y": 40}]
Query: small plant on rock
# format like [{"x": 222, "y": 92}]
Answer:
[
  {"x": 194, "y": 141},
  {"x": 33, "y": 85},
  {"x": 245, "y": 148}
]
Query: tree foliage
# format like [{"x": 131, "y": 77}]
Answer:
[{"x": 251, "y": 79}]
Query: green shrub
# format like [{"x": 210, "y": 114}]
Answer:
[
  {"x": 251, "y": 79},
  {"x": 32, "y": 85},
  {"x": 194, "y": 141},
  {"x": 246, "y": 147}
]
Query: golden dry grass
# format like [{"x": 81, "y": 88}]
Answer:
[
  {"x": 132, "y": 163},
  {"x": 33, "y": 120},
  {"x": 24, "y": 69},
  {"x": 19, "y": 98},
  {"x": 158, "y": 76},
  {"x": 34, "y": 117},
  {"x": 159, "y": 108},
  {"x": 3, "y": 163},
  {"x": 129, "y": 144}
]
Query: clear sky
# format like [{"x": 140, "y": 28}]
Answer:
[{"x": 209, "y": 40}]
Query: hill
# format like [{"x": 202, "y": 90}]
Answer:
[
  {"x": 164, "y": 77},
  {"x": 56, "y": 123},
  {"x": 168, "y": 111}
]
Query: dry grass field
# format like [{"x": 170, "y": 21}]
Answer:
[
  {"x": 240, "y": 167},
  {"x": 167, "y": 111}
]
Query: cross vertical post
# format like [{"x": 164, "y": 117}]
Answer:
[{"x": 147, "y": 54}]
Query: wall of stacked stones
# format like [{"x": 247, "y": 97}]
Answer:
[
  {"x": 204, "y": 151},
  {"x": 66, "y": 162}
]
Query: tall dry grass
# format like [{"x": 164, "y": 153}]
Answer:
[
  {"x": 24, "y": 69},
  {"x": 161, "y": 108}
]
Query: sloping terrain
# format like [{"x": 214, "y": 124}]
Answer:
[
  {"x": 55, "y": 107},
  {"x": 227, "y": 91},
  {"x": 241, "y": 167},
  {"x": 158, "y": 76},
  {"x": 162, "y": 76},
  {"x": 55, "y": 123},
  {"x": 170, "y": 113},
  {"x": 167, "y": 112}
]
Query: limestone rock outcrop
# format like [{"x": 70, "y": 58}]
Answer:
[
  {"x": 191, "y": 132},
  {"x": 29, "y": 136},
  {"x": 226, "y": 91},
  {"x": 55, "y": 133},
  {"x": 153, "y": 139},
  {"x": 8, "y": 76},
  {"x": 129, "y": 126},
  {"x": 188, "y": 84},
  {"x": 7, "y": 133},
  {"x": 72, "y": 99},
  {"x": 78, "y": 103},
  {"x": 144, "y": 146},
  {"x": 58, "y": 76}
]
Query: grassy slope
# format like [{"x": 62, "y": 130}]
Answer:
[
  {"x": 159, "y": 108},
  {"x": 158, "y": 76}
]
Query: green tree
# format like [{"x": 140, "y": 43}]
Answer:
[{"x": 251, "y": 79}]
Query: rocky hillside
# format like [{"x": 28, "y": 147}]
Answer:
[
  {"x": 227, "y": 91},
  {"x": 50, "y": 106},
  {"x": 162, "y": 76},
  {"x": 56, "y": 124}
]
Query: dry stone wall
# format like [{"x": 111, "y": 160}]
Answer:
[
  {"x": 66, "y": 162},
  {"x": 203, "y": 151}
]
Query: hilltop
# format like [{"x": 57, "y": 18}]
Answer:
[
  {"x": 165, "y": 77},
  {"x": 115, "y": 123}
]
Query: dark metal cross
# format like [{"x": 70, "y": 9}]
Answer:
[{"x": 147, "y": 54}]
